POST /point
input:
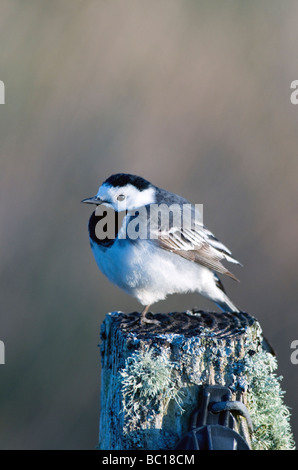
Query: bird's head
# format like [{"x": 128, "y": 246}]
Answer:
[{"x": 124, "y": 192}]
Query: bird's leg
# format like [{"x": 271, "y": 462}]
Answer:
[{"x": 144, "y": 319}]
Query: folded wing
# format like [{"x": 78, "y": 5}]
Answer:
[{"x": 196, "y": 243}]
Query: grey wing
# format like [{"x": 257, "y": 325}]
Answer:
[{"x": 196, "y": 243}]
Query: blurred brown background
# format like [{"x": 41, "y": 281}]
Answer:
[{"x": 192, "y": 95}]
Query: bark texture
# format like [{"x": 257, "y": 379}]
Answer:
[{"x": 152, "y": 374}]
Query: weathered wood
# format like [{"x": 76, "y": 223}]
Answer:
[{"x": 152, "y": 374}]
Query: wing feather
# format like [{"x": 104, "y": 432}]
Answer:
[{"x": 199, "y": 245}]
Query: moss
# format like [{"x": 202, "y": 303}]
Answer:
[
  {"x": 148, "y": 383},
  {"x": 152, "y": 378},
  {"x": 270, "y": 416}
]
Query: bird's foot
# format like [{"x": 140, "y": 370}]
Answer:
[{"x": 145, "y": 320}]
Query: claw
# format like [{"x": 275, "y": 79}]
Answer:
[{"x": 144, "y": 320}]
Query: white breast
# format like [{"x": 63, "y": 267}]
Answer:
[{"x": 150, "y": 273}]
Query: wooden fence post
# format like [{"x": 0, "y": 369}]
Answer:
[{"x": 152, "y": 374}]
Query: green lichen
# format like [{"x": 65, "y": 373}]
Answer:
[
  {"x": 148, "y": 383},
  {"x": 151, "y": 385},
  {"x": 270, "y": 416}
]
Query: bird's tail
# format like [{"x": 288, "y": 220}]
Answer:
[
  {"x": 226, "y": 305},
  {"x": 223, "y": 301}
]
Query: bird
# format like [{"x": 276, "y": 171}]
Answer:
[{"x": 174, "y": 259}]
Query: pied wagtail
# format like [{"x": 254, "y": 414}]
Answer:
[{"x": 174, "y": 260}]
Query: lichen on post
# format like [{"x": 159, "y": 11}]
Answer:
[{"x": 152, "y": 374}]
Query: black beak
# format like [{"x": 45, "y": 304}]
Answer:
[{"x": 92, "y": 200}]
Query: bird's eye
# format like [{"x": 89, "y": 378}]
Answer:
[{"x": 121, "y": 197}]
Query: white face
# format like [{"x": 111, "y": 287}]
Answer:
[{"x": 126, "y": 197}]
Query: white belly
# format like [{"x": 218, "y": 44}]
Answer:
[{"x": 150, "y": 273}]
